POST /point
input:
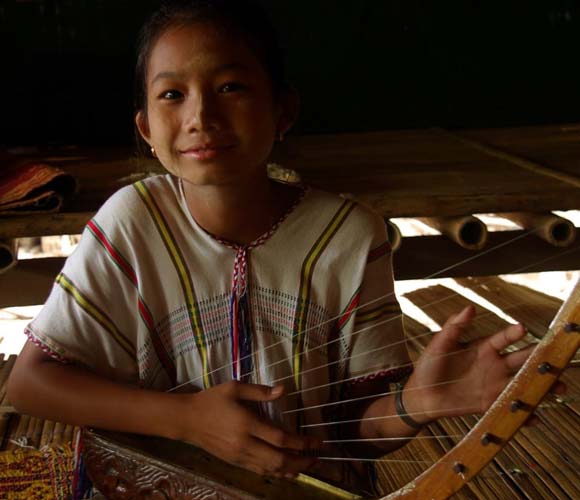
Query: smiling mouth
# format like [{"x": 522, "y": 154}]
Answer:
[{"x": 206, "y": 152}]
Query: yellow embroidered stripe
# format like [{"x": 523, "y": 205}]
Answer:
[
  {"x": 99, "y": 316},
  {"x": 183, "y": 273},
  {"x": 365, "y": 317},
  {"x": 306, "y": 282}
]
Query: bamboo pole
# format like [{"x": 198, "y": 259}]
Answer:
[
  {"x": 555, "y": 230},
  {"x": 467, "y": 231}
]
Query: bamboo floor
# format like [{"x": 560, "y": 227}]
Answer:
[{"x": 541, "y": 462}]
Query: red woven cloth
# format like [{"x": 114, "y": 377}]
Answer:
[{"x": 34, "y": 188}]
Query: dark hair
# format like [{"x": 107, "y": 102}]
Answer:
[{"x": 246, "y": 17}]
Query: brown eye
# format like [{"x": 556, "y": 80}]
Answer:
[
  {"x": 171, "y": 95},
  {"x": 231, "y": 87}
]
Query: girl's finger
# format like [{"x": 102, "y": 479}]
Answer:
[
  {"x": 461, "y": 319},
  {"x": 274, "y": 460},
  {"x": 559, "y": 388},
  {"x": 256, "y": 392},
  {"x": 453, "y": 328},
  {"x": 532, "y": 421},
  {"x": 506, "y": 337},
  {"x": 278, "y": 438},
  {"x": 515, "y": 360}
]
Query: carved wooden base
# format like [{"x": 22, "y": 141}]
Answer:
[{"x": 128, "y": 467}]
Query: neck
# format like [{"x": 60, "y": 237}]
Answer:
[{"x": 239, "y": 212}]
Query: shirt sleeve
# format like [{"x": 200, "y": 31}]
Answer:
[
  {"x": 90, "y": 316},
  {"x": 376, "y": 345}
]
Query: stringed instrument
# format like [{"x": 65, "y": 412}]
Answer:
[{"x": 130, "y": 467}]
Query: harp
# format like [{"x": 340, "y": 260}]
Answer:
[{"x": 126, "y": 467}]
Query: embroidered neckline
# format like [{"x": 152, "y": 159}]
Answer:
[
  {"x": 260, "y": 240},
  {"x": 241, "y": 336}
]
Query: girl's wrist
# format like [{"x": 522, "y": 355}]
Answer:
[
  {"x": 412, "y": 405},
  {"x": 165, "y": 415}
]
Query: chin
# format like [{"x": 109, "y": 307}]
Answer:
[{"x": 209, "y": 178}]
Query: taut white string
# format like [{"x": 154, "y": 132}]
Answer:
[
  {"x": 390, "y": 294},
  {"x": 386, "y": 346},
  {"x": 385, "y": 417},
  {"x": 259, "y": 351},
  {"x": 388, "y": 393}
]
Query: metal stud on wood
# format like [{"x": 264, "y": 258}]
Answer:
[{"x": 544, "y": 368}]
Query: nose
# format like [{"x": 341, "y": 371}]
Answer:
[{"x": 202, "y": 112}]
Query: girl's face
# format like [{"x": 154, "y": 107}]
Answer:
[{"x": 211, "y": 114}]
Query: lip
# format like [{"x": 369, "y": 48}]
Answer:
[{"x": 206, "y": 151}]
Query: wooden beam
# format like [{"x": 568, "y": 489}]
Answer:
[
  {"x": 524, "y": 163},
  {"x": 506, "y": 252},
  {"x": 44, "y": 224},
  {"x": 420, "y": 257},
  {"x": 29, "y": 282}
]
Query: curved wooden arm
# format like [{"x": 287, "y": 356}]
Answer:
[{"x": 514, "y": 405}]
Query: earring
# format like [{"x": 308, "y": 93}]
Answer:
[{"x": 153, "y": 152}]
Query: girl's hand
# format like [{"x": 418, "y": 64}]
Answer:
[
  {"x": 452, "y": 379},
  {"x": 220, "y": 421}
]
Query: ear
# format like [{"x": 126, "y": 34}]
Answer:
[
  {"x": 289, "y": 109},
  {"x": 143, "y": 126}
]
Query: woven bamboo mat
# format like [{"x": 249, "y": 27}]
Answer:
[{"x": 541, "y": 462}]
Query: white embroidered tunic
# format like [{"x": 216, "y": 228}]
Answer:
[{"x": 146, "y": 299}]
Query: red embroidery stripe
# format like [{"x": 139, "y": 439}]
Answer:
[
  {"x": 378, "y": 252},
  {"x": 349, "y": 310},
  {"x": 391, "y": 375},
  {"x": 145, "y": 314},
  {"x": 37, "y": 342},
  {"x": 121, "y": 262}
]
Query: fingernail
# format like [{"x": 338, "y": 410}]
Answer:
[{"x": 276, "y": 390}]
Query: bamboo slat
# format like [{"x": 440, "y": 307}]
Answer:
[
  {"x": 20, "y": 432},
  {"x": 533, "y": 309},
  {"x": 4, "y": 373},
  {"x": 46, "y": 434},
  {"x": 439, "y": 303}
]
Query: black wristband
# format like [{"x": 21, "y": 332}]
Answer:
[{"x": 401, "y": 412}]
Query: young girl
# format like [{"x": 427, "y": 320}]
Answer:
[{"x": 215, "y": 306}]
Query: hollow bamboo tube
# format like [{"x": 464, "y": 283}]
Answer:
[
  {"x": 467, "y": 231},
  {"x": 555, "y": 230},
  {"x": 8, "y": 254},
  {"x": 394, "y": 235}
]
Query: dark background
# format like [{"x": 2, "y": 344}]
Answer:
[{"x": 66, "y": 66}]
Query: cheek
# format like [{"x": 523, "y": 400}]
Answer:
[{"x": 162, "y": 125}]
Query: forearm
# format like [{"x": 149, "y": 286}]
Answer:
[
  {"x": 381, "y": 424},
  {"x": 72, "y": 395}
]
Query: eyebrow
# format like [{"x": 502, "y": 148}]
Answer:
[{"x": 174, "y": 74}]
